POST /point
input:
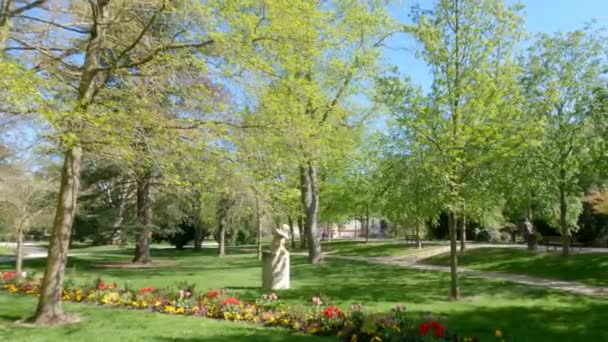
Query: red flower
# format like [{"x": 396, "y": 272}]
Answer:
[
  {"x": 146, "y": 290},
  {"x": 231, "y": 301},
  {"x": 438, "y": 329},
  {"x": 212, "y": 294},
  {"x": 424, "y": 328},
  {"x": 106, "y": 286},
  {"x": 7, "y": 275},
  {"x": 333, "y": 311}
]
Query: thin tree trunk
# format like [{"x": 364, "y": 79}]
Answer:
[
  {"x": 198, "y": 224},
  {"x": 258, "y": 225},
  {"x": 144, "y": 214},
  {"x": 367, "y": 226},
  {"x": 418, "y": 239},
  {"x": 310, "y": 202},
  {"x": 221, "y": 251},
  {"x": 50, "y": 310},
  {"x": 19, "y": 251},
  {"x": 454, "y": 288},
  {"x": 563, "y": 211},
  {"x": 356, "y": 228},
  {"x": 463, "y": 232},
  {"x": 4, "y": 24},
  {"x": 222, "y": 213},
  {"x": 198, "y": 238},
  {"x": 291, "y": 231},
  {"x": 118, "y": 236},
  {"x": 302, "y": 231}
]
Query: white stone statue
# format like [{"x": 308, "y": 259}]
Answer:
[
  {"x": 275, "y": 263},
  {"x": 280, "y": 236}
]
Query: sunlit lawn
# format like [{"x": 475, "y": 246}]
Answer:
[
  {"x": 522, "y": 312},
  {"x": 588, "y": 268},
  {"x": 372, "y": 248},
  {"x": 5, "y": 251}
]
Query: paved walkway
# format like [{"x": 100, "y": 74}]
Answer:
[
  {"x": 30, "y": 251},
  {"x": 412, "y": 261}
]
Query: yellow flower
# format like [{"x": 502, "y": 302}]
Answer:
[
  {"x": 157, "y": 304},
  {"x": 376, "y": 339},
  {"x": 180, "y": 310},
  {"x": 498, "y": 333},
  {"x": 11, "y": 288},
  {"x": 169, "y": 309},
  {"x": 313, "y": 330},
  {"x": 353, "y": 338}
]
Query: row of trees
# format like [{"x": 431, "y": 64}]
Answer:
[
  {"x": 225, "y": 117},
  {"x": 182, "y": 112}
]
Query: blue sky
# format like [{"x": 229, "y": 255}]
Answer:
[{"x": 540, "y": 16}]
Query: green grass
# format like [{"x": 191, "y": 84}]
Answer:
[
  {"x": 106, "y": 324},
  {"x": 588, "y": 268},
  {"x": 371, "y": 249},
  {"x": 5, "y": 251},
  {"x": 524, "y": 313}
]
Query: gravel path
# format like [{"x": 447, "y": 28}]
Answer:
[{"x": 412, "y": 261}]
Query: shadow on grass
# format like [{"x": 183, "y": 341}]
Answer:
[{"x": 589, "y": 268}]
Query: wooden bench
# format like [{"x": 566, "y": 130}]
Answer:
[
  {"x": 412, "y": 239},
  {"x": 557, "y": 241}
]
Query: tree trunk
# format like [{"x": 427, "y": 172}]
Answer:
[
  {"x": 118, "y": 236},
  {"x": 222, "y": 214},
  {"x": 198, "y": 238},
  {"x": 302, "y": 231},
  {"x": 356, "y": 220},
  {"x": 50, "y": 310},
  {"x": 463, "y": 232},
  {"x": 291, "y": 231},
  {"x": 221, "y": 247},
  {"x": 144, "y": 214},
  {"x": 19, "y": 251},
  {"x": 367, "y": 226},
  {"x": 563, "y": 212},
  {"x": 4, "y": 24},
  {"x": 418, "y": 239},
  {"x": 454, "y": 288},
  {"x": 258, "y": 225},
  {"x": 310, "y": 202}
]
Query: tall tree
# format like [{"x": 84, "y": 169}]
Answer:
[
  {"x": 470, "y": 119},
  {"x": 563, "y": 72},
  {"x": 79, "y": 116},
  {"x": 330, "y": 51}
]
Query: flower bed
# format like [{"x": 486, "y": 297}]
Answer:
[{"x": 318, "y": 317}]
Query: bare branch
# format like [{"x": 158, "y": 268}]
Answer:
[
  {"x": 27, "y": 7},
  {"x": 65, "y": 27}
]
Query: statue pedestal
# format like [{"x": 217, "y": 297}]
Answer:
[{"x": 275, "y": 270}]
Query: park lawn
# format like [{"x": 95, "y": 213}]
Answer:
[
  {"x": 107, "y": 324},
  {"x": 587, "y": 268},
  {"x": 372, "y": 248},
  {"x": 5, "y": 251},
  {"x": 523, "y": 313}
]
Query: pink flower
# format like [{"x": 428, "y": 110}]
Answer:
[{"x": 317, "y": 301}]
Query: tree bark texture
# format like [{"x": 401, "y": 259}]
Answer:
[
  {"x": 454, "y": 287},
  {"x": 144, "y": 215},
  {"x": 50, "y": 309},
  {"x": 291, "y": 231},
  {"x": 310, "y": 202}
]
